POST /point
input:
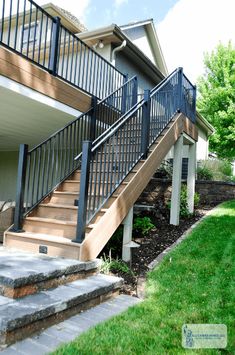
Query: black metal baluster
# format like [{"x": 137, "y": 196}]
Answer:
[
  {"x": 3, "y": 20},
  {"x": 29, "y": 29},
  {"x": 35, "y": 33},
  {"x": 17, "y": 23},
  {"x": 40, "y": 39},
  {"x": 71, "y": 65},
  {"x": 45, "y": 44},
  {"x": 145, "y": 124},
  {"x": 9, "y": 24},
  {"x": 53, "y": 62}
]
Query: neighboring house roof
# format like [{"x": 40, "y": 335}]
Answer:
[
  {"x": 68, "y": 20},
  {"x": 153, "y": 40},
  {"x": 113, "y": 34}
]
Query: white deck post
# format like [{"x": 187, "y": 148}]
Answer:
[
  {"x": 191, "y": 176},
  {"x": 127, "y": 235},
  {"x": 176, "y": 182}
]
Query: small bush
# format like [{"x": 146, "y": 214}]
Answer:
[
  {"x": 203, "y": 173},
  {"x": 114, "y": 265},
  {"x": 184, "y": 211},
  {"x": 165, "y": 170},
  {"x": 143, "y": 224}
]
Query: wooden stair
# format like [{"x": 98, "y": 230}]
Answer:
[{"x": 51, "y": 227}]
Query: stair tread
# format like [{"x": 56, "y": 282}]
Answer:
[
  {"x": 53, "y": 205},
  {"x": 19, "y": 313},
  {"x": 45, "y": 237},
  {"x": 51, "y": 220}
]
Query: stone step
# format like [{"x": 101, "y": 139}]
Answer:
[
  {"x": 30, "y": 314},
  {"x": 50, "y": 339},
  {"x": 22, "y": 274}
]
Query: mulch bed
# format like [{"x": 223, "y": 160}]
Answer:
[{"x": 154, "y": 243}]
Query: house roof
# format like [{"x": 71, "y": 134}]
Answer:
[
  {"x": 68, "y": 19},
  {"x": 202, "y": 121},
  {"x": 136, "y": 23}
]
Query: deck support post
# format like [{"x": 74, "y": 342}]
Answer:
[
  {"x": 127, "y": 235},
  {"x": 191, "y": 176},
  {"x": 176, "y": 182}
]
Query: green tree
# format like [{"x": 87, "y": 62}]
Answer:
[{"x": 216, "y": 101}]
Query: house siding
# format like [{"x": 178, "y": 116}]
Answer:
[
  {"x": 8, "y": 174},
  {"x": 139, "y": 37},
  {"x": 124, "y": 64}
]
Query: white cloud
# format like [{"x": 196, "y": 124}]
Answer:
[
  {"x": 118, "y": 3},
  {"x": 76, "y": 7},
  {"x": 193, "y": 27}
]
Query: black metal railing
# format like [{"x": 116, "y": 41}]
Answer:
[
  {"x": 105, "y": 165},
  {"x": 45, "y": 166},
  {"x": 29, "y": 30}
]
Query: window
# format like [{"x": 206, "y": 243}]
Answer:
[{"x": 30, "y": 34}]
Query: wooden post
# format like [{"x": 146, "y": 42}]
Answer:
[
  {"x": 127, "y": 235},
  {"x": 191, "y": 176},
  {"x": 176, "y": 182}
]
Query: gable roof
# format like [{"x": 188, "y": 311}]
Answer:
[{"x": 153, "y": 39}]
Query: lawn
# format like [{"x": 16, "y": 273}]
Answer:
[{"x": 194, "y": 284}]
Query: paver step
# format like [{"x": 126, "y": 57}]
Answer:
[
  {"x": 32, "y": 313},
  {"x": 26, "y": 274},
  {"x": 50, "y": 339}
]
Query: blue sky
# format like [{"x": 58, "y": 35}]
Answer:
[{"x": 104, "y": 12}]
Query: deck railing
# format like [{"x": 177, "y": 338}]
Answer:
[
  {"x": 30, "y": 31},
  {"x": 48, "y": 164},
  {"x": 105, "y": 165}
]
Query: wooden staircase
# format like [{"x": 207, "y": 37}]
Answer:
[{"x": 50, "y": 228}]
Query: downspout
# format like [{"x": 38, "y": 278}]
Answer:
[{"x": 115, "y": 50}]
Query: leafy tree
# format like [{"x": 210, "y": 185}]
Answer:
[{"x": 216, "y": 100}]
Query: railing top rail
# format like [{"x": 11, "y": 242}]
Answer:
[
  {"x": 80, "y": 117},
  {"x": 130, "y": 113},
  {"x": 163, "y": 82}
]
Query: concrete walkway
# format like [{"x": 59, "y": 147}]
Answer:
[{"x": 66, "y": 331}]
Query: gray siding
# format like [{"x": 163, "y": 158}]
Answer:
[
  {"x": 125, "y": 65},
  {"x": 8, "y": 174}
]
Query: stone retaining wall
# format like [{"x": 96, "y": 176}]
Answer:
[{"x": 211, "y": 192}]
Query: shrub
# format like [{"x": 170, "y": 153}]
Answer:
[
  {"x": 214, "y": 169},
  {"x": 114, "y": 265},
  {"x": 165, "y": 170},
  {"x": 143, "y": 224},
  {"x": 203, "y": 173},
  {"x": 184, "y": 211}
]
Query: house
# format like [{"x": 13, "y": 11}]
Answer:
[{"x": 61, "y": 85}]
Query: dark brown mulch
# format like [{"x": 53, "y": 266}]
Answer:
[{"x": 154, "y": 243}]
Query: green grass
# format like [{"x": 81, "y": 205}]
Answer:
[{"x": 195, "y": 286}]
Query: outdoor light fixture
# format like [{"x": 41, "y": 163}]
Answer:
[{"x": 99, "y": 44}]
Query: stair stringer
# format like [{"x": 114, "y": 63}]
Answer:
[{"x": 106, "y": 226}]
